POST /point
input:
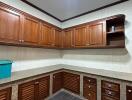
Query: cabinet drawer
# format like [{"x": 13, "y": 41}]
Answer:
[
  {"x": 111, "y": 86},
  {"x": 108, "y": 98},
  {"x": 111, "y": 93},
  {"x": 89, "y": 87},
  {"x": 89, "y": 80},
  {"x": 90, "y": 95},
  {"x": 129, "y": 92}
]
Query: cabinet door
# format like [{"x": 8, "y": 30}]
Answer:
[
  {"x": 97, "y": 33},
  {"x": 57, "y": 81},
  {"x": 31, "y": 31},
  {"x": 27, "y": 91},
  {"x": 58, "y": 38},
  {"x": 80, "y": 36},
  {"x": 9, "y": 26},
  {"x": 43, "y": 87},
  {"x": 5, "y": 94},
  {"x": 47, "y": 36},
  {"x": 68, "y": 38},
  {"x": 71, "y": 82}
]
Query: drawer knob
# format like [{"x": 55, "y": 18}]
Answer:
[
  {"x": 89, "y": 86},
  {"x": 129, "y": 91},
  {"x": 89, "y": 94},
  {"x": 89, "y": 80},
  {"x": 109, "y": 93},
  {"x": 109, "y": 85}
]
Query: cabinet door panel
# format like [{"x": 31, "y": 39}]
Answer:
[
  {"x": 97, "y": 34},
  {"x": 43, "y": 89},
  {"x": 71, "y": 82},
  {"x": 68, "y": 38},
  {"x": 27, "y": 91},
  {"x": 57, "y": 81},
  {"x": 80, "y": 36},
  {"x": 58, "y": 38},
  {"x": 47, "y": 37},
  {"x": 31, "y": 30},
  {"x": 9, "y": 26},
  {"x": 5, "y": 94}
]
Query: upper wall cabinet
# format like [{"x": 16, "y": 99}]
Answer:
[
  {"x": 20, "y": 28},
  {"x": 97, "y": 34},
  {"x": 31, "y": 30},
  {"x": 68, "y": 38},
  {"x": 10, "y": 26},
  {"x": 80, "y": 34},
  {"x": 58, "y": 38},
  {"x": 47, "y": 36}
]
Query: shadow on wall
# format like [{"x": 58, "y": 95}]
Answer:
[
  {"x": 25, "y": 53},
  {"x": 101, "y": 55}
]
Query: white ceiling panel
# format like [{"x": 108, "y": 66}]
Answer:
[{"x": 64, "y": 9}]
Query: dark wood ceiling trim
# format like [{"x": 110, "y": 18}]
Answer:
[
  {"x": 25, "y": 1},
  {"x": 100, "y": 8}
]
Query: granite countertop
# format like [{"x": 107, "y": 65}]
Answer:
[{"x": 38, "y": 71}]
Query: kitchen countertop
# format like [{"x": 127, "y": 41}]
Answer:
[{"x": 38, "y": 71}]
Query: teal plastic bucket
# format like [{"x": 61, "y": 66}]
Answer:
[{"x": 5, "y": 68}]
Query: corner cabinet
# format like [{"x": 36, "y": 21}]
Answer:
[
  {"x": 34, "y": 90},
  {"x": 5, "y": 94},
  {"x": 71, "y": 82}
]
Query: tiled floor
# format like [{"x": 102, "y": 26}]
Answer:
[{"x": 64, "y": 96}]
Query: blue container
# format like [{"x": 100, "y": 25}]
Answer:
[{"x": 5, "y": 68}]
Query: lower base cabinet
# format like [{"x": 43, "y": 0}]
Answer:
[
  {"x": 34, "y": 90},
  {"x": 5, "y": 94},
  {"x": 71, "y": 82},
  {"x": 110, "y": 90},
  {"x": 90, "y": 88}
]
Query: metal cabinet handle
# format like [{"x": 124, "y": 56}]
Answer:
[
  {"x": 109, "y": 93},
  {"x": 89, "y": 94},
  {"x": 89, "y": 80},
  {"x": 36, "y": 82},
  {"x": 89, "y": 86},
  {"x": 109, "y": 86},
  {"x": 129, "y": 91}
]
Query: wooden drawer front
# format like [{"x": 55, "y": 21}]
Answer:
[
  {"x": 108, "y": 98},
  {"x": 57, "y": 81},
  {"x": 71, "y": 82},
  {"x": 5, "y": 94},
  {"x": 90, "y": 95},
  {"x": 111, "y": 86},
  {"x": 43, "y": 90},
  {"x": 89, "y": 87},
  {"x": 111, "y": 93},
  {"x": 27, "y": 91},
  {"x": 129, "y": 92},
  {"x": 89, "y": 80}
]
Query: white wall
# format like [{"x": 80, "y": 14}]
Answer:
[
  {"x": 109, "y": 59},
  {"x": 30, "y": 10},
  {"x": 27, "y": 58}
]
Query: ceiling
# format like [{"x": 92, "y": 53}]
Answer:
[{"x": 63, "y": 10}]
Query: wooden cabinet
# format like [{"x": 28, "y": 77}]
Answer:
[
  {"x": 97, "y": 34},
  {"x": 58, "y": 38},
  {"x": 110, "y": 90},
  {"x": 57, "y": 81},
  {"x": 5, "y": 94},
  {"x": 68, "y": 38},
  {"x": 80, "y": 34},
  {"x": 34, "y": 90},
  {"x": 71, "y": 82},
  {"x": 128, "y": 92},
  {"x": 10, "y": 26},
  {"x": 47, "y": 35},
  {"x": 90, "y": 88},
  {"x": 31, "y": 30}
]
